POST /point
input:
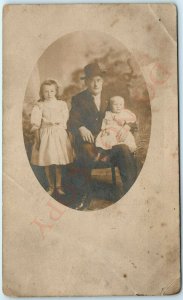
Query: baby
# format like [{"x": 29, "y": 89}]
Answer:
[{"x": 115, "y": 129}]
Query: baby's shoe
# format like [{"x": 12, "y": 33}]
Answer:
[
  {"x": 105, "y": 158},
  {"x": 60, "y": 190},
  {"x": 50, "y": 190},
  {"x": 97, "y": 158}
]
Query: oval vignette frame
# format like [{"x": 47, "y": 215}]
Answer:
[{"x": 64, "y": 61}]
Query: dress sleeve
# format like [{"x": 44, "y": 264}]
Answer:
[
  {"x": 36, "y": 117},
  {"x": 130, "y": 117},
  {"x": 65, "y": 114},
  {"x": 131, "y": 120}
]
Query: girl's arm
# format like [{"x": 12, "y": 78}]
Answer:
[
  {"x": 65, "y": 115},
  {"x": 37, "y": 139},
  {"x": 36, "y": 117}
]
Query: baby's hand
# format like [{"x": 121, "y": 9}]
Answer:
[{"x": 119, "y": 121}]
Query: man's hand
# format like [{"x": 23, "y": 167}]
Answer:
[
  {"x": 86, "y": 134},
  {"x": 122, "y": 134}
]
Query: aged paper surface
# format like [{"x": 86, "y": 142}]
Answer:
[{"x": 131, "y": 247}]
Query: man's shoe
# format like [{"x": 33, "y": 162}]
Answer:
[
  {"x": 80, "y": 206},
  {"x": 85, "y": 202}
]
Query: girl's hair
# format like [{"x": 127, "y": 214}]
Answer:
[{"x": 48, "y": 82}]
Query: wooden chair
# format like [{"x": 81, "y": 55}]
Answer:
[
  {"x": 98, "y": 164},
  {"x": 107, "y": 165}
]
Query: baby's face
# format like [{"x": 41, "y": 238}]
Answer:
[{"x": 116, "y": 106}]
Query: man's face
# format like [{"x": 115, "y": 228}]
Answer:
[{"x": 94, "y": 84}]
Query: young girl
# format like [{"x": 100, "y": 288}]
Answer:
[
  {"x": 115, "y": 129},
  {"x": 52, "y": 145}
]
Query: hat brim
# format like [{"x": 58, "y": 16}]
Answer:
[{"x": 102, "y": 74}]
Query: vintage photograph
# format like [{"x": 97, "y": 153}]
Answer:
[
  {"x": 90, "y": 150},
  {"x": 86, "y": 120}
]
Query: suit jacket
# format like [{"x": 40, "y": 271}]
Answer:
[{"x": 85, "y": 113}]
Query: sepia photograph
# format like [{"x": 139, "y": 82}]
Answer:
[
  {"x": 91, "y": 203},
  {"x": 86, "y": 120}
]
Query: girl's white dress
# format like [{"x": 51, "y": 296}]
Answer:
[
  {"x": 50, "y": 117},
  {"x": 111, "y": 125}
]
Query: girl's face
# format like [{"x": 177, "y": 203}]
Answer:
[{"x": 49, "y": 92}]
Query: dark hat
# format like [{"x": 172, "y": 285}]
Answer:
[{"x": 92, "y": 70}]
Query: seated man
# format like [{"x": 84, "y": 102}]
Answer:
[{"x": 86, "y": 115}]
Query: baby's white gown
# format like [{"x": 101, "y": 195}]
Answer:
[
  {"x": 107, "y": 138},
  {"x": 50, "y": 116}
]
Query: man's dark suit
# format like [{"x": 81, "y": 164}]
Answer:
[{"x": 85, "y": 113}]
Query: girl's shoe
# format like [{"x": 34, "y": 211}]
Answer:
[
  {"x": 50, "y": 190},
  {"x": 60, "y": 190}
]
